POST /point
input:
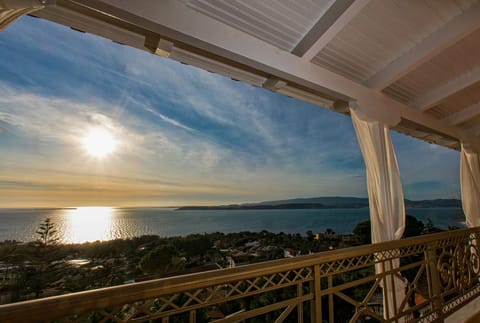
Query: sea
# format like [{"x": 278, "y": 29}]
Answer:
[{"x": 82, "y": 224}]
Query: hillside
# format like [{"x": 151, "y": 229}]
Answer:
[{"x": 333, "y": 202}]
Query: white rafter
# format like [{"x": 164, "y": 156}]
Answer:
[
  {"x": 435, "y": 96},
  {"x": 463, "y": 115},
  {"x": 90, "y": 25},
  {"x": 444, "y": 37},
  {"x": 335, "y": 27}
]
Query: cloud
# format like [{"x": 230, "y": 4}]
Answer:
[
  {"x": 183, "y": 131},
  {"x": 256, "y": 124},
  {"x": 427, "y": 171},
  {"x": 168, "y": 120}
]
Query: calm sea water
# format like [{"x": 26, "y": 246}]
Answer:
[{"x": 92, "y": 223}]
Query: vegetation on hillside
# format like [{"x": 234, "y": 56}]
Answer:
[{"x": 45, "y": 267}]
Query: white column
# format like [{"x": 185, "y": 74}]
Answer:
[
  {"x": 11, "y": 10},
  {"x": 470, "y": 186},
  {"x": 385, "y": 194}
]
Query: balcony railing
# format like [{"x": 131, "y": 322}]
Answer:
[{"x": 440, "y": 271}]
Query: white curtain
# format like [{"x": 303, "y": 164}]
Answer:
[
  {"x": 11, "y": 10},
  {"x": 470, "y": 186},
  {"x": 385, "y": 194}
]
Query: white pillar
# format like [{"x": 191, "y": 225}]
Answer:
[
  {"x": 470, "y": 186},
  {"x": 385, "y": 194}
]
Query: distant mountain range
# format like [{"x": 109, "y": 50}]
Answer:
[{"x": 334, "y": 202}]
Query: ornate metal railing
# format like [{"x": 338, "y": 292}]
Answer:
[{"x": 437, "y": 274}]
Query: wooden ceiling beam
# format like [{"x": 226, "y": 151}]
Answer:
[
  {"x": 340, "y": 13},
  {"x": 463, "y": 115},
  {"x": 440, "y": 93},
  {"x": 455, "y": 30}
]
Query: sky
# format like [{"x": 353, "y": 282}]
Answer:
[{"x": 183, "y": 136}]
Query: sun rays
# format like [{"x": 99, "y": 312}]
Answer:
[{"x": 99, "y": 143}]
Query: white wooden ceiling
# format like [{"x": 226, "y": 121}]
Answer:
[
  {"x": 282, "y": 23},
  {"x": 415, "y": 63}
]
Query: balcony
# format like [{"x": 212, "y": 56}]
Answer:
[
  {"x": 423, "y": 83},
  {"x": 440, "y": 272}
]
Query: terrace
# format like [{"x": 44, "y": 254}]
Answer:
[{"x": 409, "y": 66}]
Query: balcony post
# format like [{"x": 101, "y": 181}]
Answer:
[
  {"x": 300, "y": 304},
  {"x": 316, "y": 303},
  {"x": 192, "y": 316},
  {"x": 434, "y": 282}
]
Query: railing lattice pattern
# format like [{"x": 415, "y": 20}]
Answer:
[{"x": 435, "y": 274}]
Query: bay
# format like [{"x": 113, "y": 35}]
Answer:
[{"x": 84, "y": 224}]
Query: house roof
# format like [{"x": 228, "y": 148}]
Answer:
[{"x": 414, "y": 64}]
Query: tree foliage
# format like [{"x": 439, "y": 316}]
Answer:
[
  {"x": 194, "y": 244},
  {"x": 47, "y": 234},
  {"x": 45, "y": 248},
  {"x": 413, "y": 227},
  {"x": 363, "y": 231},
  {"x": 163, "y": 259},
  {"x": 114, "y": 262}
]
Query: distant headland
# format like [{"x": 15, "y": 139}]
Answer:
[{"x": 334, "y": 202}]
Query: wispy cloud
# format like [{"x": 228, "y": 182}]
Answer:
[
  {"x": 168, "y": 120},
  {"x": 185, "y": 133}
]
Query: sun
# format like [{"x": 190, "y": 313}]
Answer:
[{"x": 99, "y": 143}]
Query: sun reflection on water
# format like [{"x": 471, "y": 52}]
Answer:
[{"x": 88, "y": 224}]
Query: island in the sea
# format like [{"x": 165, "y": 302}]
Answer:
[{"x": 334, "y": 202}]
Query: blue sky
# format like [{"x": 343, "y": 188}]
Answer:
[{"x": 185, "y": 136}]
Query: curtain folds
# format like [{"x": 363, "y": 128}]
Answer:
[
  {"x": 385, "y": 194},
  {"x": 387, "y": 208},
  {"x": 470, "y": 186}
]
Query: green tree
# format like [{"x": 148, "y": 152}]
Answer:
[
  {"x": 429, "y": 225},
  {"x": 45, "y": 248},
  {"x": 363, "y": 231},
  {"x": 10, "y": 256},
  {"x": 310, "y": 235},
  {"x": 163, "y": 259},
  {"x": 413, "y": 227},
  {"x": 194, "y": 245},
  {"x": 47, "y": 235}
]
